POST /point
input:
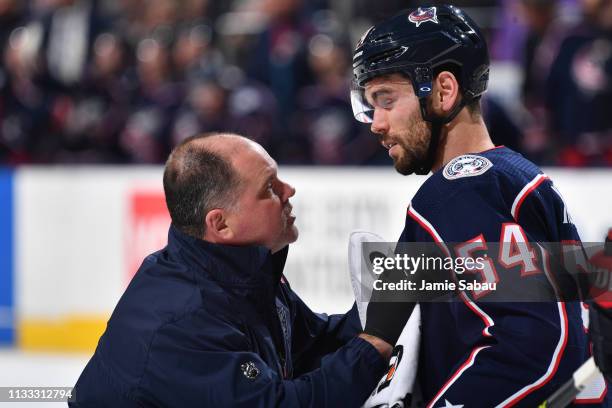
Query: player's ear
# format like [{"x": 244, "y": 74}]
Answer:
[
  {"x": 217, "y": 228},
  {"x": 445, "y": 93}
]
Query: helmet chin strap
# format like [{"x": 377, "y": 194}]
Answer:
[{"x": 424, "y": 167}]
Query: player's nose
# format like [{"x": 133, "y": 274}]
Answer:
[{"x": 380, "y": 124}]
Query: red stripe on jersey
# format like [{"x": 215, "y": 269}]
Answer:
[
  {"x": 493, "y": 148},
  {"x": 522, "y": 195},
  {"x": 467, "y": 364},
  {"x": 426, "y": 225},
  {"x": 480, "y": 313}
]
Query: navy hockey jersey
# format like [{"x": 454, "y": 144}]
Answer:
[{"x": 484, "y": 354}]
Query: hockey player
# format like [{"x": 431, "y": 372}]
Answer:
[{"x": 418, "y": 78}]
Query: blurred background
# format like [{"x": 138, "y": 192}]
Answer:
[
  {"x": 122, "y": 81},
  {"x": 95, "y": 93}
]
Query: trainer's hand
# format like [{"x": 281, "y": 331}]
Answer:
[
  {"x": 382, "y": 346},
  {"x": 600, "y": 330}
]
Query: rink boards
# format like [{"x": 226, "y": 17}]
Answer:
[{"x": 72, "y": 237}]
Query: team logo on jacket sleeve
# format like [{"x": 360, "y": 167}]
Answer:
[
  {"x": 423, "y": 15},
  {"x": 468, "y": 165},
  {"x": 250, "y": 370}
]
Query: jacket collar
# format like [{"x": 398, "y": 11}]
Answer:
[{"x": 231, "y": 265}]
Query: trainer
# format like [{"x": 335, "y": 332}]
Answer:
[{"x": 210, "y": 321}]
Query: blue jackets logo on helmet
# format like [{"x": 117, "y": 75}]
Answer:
[{"x": 423, "y": 15}]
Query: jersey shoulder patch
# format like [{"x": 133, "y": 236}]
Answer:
[{"x": 467, "y": 165}]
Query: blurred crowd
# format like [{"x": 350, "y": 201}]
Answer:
[{"x": 123, "y": 81}]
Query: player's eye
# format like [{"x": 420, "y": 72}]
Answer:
[
  {"x": 270, "y": 188},
  {"x": 386, "y": 103},
  {"x": 384, "y": 100}
]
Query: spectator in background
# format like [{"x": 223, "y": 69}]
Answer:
[
  {"x": 140, "y": 19},
  {"x": 58, "y": 37},
  {"x": 205, "y": 110},
  {"x": 528, "y": 37},
  {"x": 538, "y": 16},
  {"x": 154, "y": 103},
  {"x": 254, "y": 110},
  {"x": 11, "y": 16},
  {"x": 24, "y": 114},
  {"x": 65, "y": 31},
  {"x": 193, "y": 54},
  {"x": 579, "y": 90},
  {"x": 278, "y": 58},
  {"x": 545, "y": 29},
  {"x": 248, "y": 108},
  {"x": 323, "y": 116},
  {"x": 100, "y": 106}
]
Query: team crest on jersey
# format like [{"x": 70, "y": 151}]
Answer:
[
  {"x": 468, "y": 165},
  {"x": 394, "y": 362},
  {"x": 423, "y": 15}
]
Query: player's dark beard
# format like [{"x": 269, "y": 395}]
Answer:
[{"x": 415, "y": 143}]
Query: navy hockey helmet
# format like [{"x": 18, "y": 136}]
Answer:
[{"x": 416, "y": 42}]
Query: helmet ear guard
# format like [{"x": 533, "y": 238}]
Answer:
[{"x": 422, "y": 81}]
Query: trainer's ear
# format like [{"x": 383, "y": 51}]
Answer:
[
  {"x": 445, "y": 93},
  {"x": 217, "y": 230}
]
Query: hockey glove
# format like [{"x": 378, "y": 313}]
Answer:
[
  {"x": 387, "y": 314},
  {"x": 600, "y": 329}
]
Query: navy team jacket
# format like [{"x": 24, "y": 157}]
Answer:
[{"x": 205, "y": 325}]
